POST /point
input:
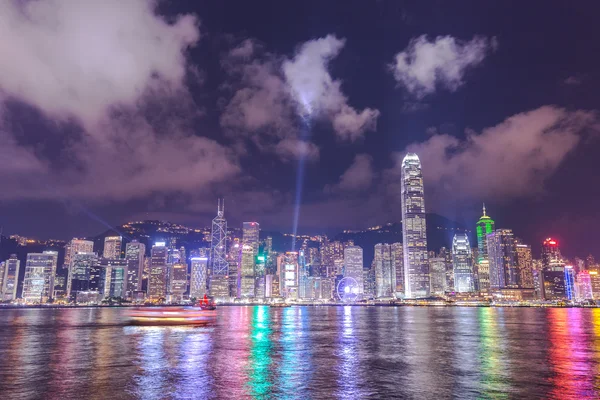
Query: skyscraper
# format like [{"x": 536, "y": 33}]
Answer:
[
  {"x": 437, "y": 269},
  {"x": 75, "y": 246},
  {"x": 553, "y": 284},
  {"x": 485, "y": 226},
  {"x": 551, "y": 256},
  {"x": 8, "y": 290},
  {"x": 113, "y": 278},
  {"x": 287, "y": 266},
  {"x": 261, "y": 263},
  {"x": 178, "y": 282},
  {"x": 385, "y": 273},
  {"x": 135, "y": 253},
  {"x": 112, "y": 247},
  {"x": 82, "y": 267},
  {"x": 416, "y": 267},
  {"x": 218, "y": 284},
  {"x": 570, "y": 282},
  {"x": 353, "y": 266},
  {"x": 501, "y": 248},
  {"x": 198, "y": 280},
  {"x": 251, "y": 234},
  {"x": 462, "y": 264},
  {"x": 40, "y": 270},
  {"x": 246, "y": 273},
  {"x": 524, "y": 265},
  {"x": 584, "y": 286},
  {"x": 157, "y": 280},
  {"x": 398, "y": 263},
  {"x": 248, "y": 254}
]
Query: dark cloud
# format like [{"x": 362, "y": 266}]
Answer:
[{"x": 359, "y": 176}]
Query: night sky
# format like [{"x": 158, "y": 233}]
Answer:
[{"x": 114, "y": 111}]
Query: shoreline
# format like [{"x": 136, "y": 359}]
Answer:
[{"x": 39, "y": 306}]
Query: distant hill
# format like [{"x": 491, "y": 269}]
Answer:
[
  {"x": 150, "y": 231},
  {"x": 440, "y": 231}
]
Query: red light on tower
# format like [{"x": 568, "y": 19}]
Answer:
[{"x": 550, "y": 242}]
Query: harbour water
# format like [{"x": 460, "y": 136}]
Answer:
[{"x": 304, "y": 353}]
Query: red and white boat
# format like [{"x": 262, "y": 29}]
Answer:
[{"x": 172, "y": 316}]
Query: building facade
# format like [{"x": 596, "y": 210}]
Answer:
[
  {"x": 135, "y": 254},
  {"x": 462, "y": 263},
  {"x": 219, "y": 268},
  {"x": 199, "y": 277},
  {"x": 10, "y": 277},
  {"x": 178, "y": 282},
  {"x": 524, "y": 265},
  {"x": 353, "y": 267},
  {"x": 40, "y": 271},
  {"x": 157, "y": 279},
  {"x": 437, "y": 269},
  {"x": 112, "y": 247},
  {"x": 385, "y": 272},
  {"x": 414, "y": 230},
  {"x": 501, "y": 249}
]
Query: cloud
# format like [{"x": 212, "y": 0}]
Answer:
[
  {"x": 424, "y": 66},
  {"x": 82, "y": 58},
  {"x": 244, "y": 50},
  {"x": 260, "y": 106},
  {"x": 316, "y": 93},
  {"x": 274, "y": 95},
  {"x": 113, "y": 73},
  {"x": 294, "y": 149},
  {"x": 572, "y": 80},
  {"x": 510, "y": 160},
  {"x": 359, "y": 176}
]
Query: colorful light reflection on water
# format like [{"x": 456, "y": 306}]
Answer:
[{"x": 304, "y": 352}]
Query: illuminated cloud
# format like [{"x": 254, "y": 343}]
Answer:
[
  {"x": 510, "y": 160},
  {"x": 424, "y": 66},
  {"x": 317, "y": 94},
  {"x": 274, "y": 95},
  {"x": 79, "y": 59},
  {"x": 294, "y": 149},
  {"x": 114, "y": 73}
]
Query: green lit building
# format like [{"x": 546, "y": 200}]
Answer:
[{"x": 485, "y": 226}]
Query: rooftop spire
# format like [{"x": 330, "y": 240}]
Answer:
[
  {"x": 220, "y": 207},
  {"x": 484, "y": 210}
]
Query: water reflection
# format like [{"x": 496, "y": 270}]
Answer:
[
  {"x": 493, "y": 367},
  {"x": 571, "y": 355},
  {"x": 349, "y": 372},
  {"x": 304, "y": 352},
  {"x": 259, "y": 373}
]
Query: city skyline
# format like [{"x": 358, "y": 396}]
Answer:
[
  {"x": 299, "y": 199},
  {"x": 234, "y": 122},
  {"x": 242, "y": 267}
]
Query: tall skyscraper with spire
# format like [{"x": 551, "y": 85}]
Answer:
[
  {"x": 416, "y": 266},
  {"x": 218, "y": 284},
  {"x": 485, "y": 226}
]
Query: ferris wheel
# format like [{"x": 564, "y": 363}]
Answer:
[{"x": 348, "y": 289}]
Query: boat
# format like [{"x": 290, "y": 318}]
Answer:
[
  {"x": 206, "y": 304},
  {"x": 280, "y": 305},
  {"x": 172, "y": 316}
]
